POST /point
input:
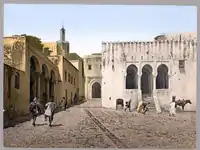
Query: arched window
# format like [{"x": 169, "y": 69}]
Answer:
[
  {"x": 17, "y": 80},
  {"x": 162, "y": 77},
  {"x": 131, "y": 77}
]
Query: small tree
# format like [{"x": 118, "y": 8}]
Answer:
[
  {"x": 13, "y": 53},
  {"x": 35, "y": 41}
]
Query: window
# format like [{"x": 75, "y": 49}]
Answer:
[
  {"x": 89, "y": 67},
  {"x": 65, "y": 75},
  {"x": 74, "y": 81},
  {"x": 17, "y": 80},
  {"x": 100, "y": 66},
  {"x": 69, "y": 77}
]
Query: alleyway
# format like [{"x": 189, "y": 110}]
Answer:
[{"x": 86, "y": 127}]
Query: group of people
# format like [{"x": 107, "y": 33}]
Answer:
[
  {"x": 49, "y": 107},
  {"x": 35, "y": 110},
  {"x": 143, "y": 106},
  {"x": 64, "y": 101}
]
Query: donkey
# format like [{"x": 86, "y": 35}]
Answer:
[{"x": 182, "y": 103}]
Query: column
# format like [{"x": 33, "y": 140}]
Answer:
[
  {"x": 157, "y": 105},
  {"x": 139, "y": 88},
  {"x": 47, "y": 88},
  {"x": 154, "y": 84},
  {"x": 37, "y": 84},
  {"x": 53, "y": 89}
]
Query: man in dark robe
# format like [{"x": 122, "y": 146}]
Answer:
[
  {"x": 128, "y": 105},
  {"x": 34, "y": 109}
]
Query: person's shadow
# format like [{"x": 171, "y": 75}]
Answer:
[
  {"x": 56, "y": 125},
  {"x": 43, "y": 124}
]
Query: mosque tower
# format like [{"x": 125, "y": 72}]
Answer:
[{"x": 63, "y": 46}]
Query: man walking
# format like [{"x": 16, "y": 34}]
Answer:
[
  {"x": 34, "y": 109},
  {"x": 128, "y": 105},
  {"x": 172, "y": 107},
  {"x": 49, "y": 112},
  {"x": 142, "y": 107},
  {"x": 75, "y": 99},
  {"x": 64, "y": 103}
]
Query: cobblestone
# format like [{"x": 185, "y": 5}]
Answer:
[
  {"x": 75, "y": 129},
  {"x": 152, "y": 130},
  {"x": 71, "y": 129}
]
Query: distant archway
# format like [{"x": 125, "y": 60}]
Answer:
[
  {"x": 131, "y": 77},
  {"x": 96, "y": 90},
  {"x": 147, "y": 80},
  {"x": 44, "y": 84},
  {"x": 162, "y": 79},
  {"x": 51, "y": 84}
]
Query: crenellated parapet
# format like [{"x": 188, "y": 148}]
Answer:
[{"x": 149, "y": 50}]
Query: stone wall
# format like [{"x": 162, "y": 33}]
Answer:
[{"x": 117, "y": 56}]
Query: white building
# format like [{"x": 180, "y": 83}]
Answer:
[
  {"x": 156, "y": 69},
  {"x": 93, "y": 76}
]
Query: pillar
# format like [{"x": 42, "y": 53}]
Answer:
[
  {"x": 37, "y": 84},
  {"x": 157, "y": 105},
  {"x": 47, "y": 88},
  {"x": 139, "y": 88}
]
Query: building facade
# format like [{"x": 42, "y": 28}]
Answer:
[
  {"x": 156, "y": 70},
  {"x": 36, "y": 69},
  {"x": 77, "y": 61},
  {"x": 31, "y": 70},
  {"x": 93, "y": 76}
]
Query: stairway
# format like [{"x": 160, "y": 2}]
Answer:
[{"x": 148, "y": 98}]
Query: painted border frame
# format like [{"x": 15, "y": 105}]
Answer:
[{"x": 116, "y": 2}]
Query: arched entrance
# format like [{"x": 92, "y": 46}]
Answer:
[
  {"x": 131, "y": 77},
  {"x": 44, "y": 84},
  {"x": 34, "y": 77},
  {"x": 96, "y": 90},
  {"x": 51, "y": 84},
  {"x": 146, "y": 81},
  {"x": 162, "y": 79}
]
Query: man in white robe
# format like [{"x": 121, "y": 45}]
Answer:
[
  {"x": 49, "y": 112},
  {"x": 172, "y": 107}
]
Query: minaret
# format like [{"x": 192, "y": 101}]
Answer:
[
  {"x": 62, "y": 44},
  {"x": 62, "y": 34}
]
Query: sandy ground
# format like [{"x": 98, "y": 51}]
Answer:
[
  {"x": 151, "y": 130},
  {"x": 75, "y": 129}
]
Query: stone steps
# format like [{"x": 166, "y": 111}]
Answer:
[{"x": 152, "y": 104}]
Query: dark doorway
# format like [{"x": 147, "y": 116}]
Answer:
[
  {"x": 43, "y": 84},
  {"x": 131, "y": 77},
  {"x": 96, "y": 90},
  {"x": 146, "y": 81},
  {"x": 51, "y": 84},
  {"x": 34, "y": 72},
  {"x": 162, "y": 79}
]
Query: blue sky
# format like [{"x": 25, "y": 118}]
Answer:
[{"x": 87, "y": 25}]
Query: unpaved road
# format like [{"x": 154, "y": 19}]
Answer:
[{"x": 74, "y": 128}]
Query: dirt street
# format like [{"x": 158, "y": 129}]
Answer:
[{"x": 74, "y": 128}]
